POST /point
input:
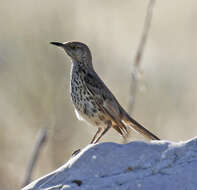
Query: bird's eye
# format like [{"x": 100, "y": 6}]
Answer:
[{"x": 73, "y": 47}]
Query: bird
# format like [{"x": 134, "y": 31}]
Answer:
[{"x": 92, "y": 99}]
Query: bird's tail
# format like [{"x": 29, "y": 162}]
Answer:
[{"x": 128, "y": 121}]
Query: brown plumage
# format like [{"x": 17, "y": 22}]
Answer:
[{"x": 92, "y": 100}]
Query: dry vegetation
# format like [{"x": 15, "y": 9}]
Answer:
[{"x": 34, "y": 76}]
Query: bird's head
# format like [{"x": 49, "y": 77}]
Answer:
[{"x": 77, "y": 51}]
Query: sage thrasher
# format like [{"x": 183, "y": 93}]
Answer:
[{"x": 92, "y": 100}]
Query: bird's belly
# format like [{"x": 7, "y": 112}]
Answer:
[
  {"x": 86, "y": 108},
  {"x": 96, "y": 119}
]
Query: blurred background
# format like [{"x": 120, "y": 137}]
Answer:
[{"x": 34, "y": 76}]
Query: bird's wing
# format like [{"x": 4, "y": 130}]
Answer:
[
  {"x": 101, "y": 93},
  {"x": 105, "y": 100}
]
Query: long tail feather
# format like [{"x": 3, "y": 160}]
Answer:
[{"x": 138, "y": 127}]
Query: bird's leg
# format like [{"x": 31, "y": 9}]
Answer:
[
  {"x": 106, "y": 129},
  {"x": 98, "y": 131}
]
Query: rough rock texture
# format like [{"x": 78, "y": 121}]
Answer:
[{"x": 159, "y": 165}]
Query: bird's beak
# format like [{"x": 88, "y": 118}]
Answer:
[{"x": 57, "y": 44}]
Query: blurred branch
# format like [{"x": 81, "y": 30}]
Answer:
[
  {"x": 139, "y": 54},
  {"x": 41, "y": 139}
]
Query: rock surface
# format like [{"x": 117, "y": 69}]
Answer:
[{"x": 159, "y": 165}]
